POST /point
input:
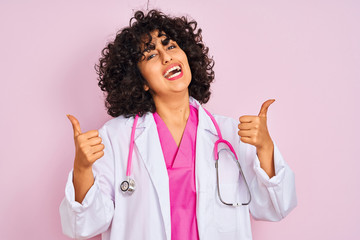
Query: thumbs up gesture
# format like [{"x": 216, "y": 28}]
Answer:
[
  {"x": 253, "y": 129},
  {"x": 88, "y": 146}
]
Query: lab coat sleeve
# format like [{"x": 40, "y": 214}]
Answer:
[
  {"x": 94, "y": 215},
  {"x": 272, "y": 198}
]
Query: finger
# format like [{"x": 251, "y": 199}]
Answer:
[
  {"x": 91, "y": 134},
  {"x": 246, "y": 118},
  {"x": 246, "y": 140},
  {"x": 97, "y": 148},
  {"x": 245, "y": 133},
  {"x": 94, "y": 141},
  {"x": 96, "y": 156},
  {"x": 264, "y": 107},
  {"x": 75, "y": 124},
  {"x": 245, "y": 126}
]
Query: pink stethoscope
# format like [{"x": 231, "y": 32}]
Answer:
[{"x": 128, "y": 186}]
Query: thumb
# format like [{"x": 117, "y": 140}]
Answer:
[
  {"x": 264, "y": 107},
  {"x": 75, "y": 124}
]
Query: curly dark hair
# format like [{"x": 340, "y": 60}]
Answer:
[{"x": 120, "y": 78}]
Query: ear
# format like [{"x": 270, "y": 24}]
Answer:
[{"x": 146, "y": 87}]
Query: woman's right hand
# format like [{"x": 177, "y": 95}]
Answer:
[
  {"x": 88, "y": 146},
  {"x": 88, "y": 149}
]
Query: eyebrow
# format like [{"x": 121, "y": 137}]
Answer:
[{"x": 151, "y": 46}]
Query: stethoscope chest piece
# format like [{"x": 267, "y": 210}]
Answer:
[{"x": 128, "y": 186}]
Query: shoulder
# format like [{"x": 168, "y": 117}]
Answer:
[
  {"x": 225, "y": 122},
  {"x": 115, "y": 125},
  {"x": 228, "y": 127},
  {"x": 117, "y": 122},
  {"x": 119, "y": 126}
]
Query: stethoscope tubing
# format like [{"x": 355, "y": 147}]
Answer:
[
  {"x": 129, "y": 184},
  {"x": 128, "y": 169}
]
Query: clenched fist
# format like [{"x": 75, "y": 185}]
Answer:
[{"x": 88, "y": 146}]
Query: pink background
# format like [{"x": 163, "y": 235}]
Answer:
[{"x": 305, "y": 54}]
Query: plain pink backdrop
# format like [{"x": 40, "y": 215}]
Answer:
[{"x": 305, "y": 54}]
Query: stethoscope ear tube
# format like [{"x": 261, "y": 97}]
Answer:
[
  {"x": 218, "y": 185},
  {"x": 216, "y": 153},
  {"x": 247, "y": 186}
]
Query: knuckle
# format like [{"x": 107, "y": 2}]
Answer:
[
  {"x": 80, "y": 138},
  {"x": 87, "y": 150},
  {"x": 91, "y": 159},
  {"x": 99, "y": 155},
  {"x": 77, "y": 138}
]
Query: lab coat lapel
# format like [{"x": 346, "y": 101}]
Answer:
[
  {"x": 148, "y": 145},
  {"x": 204, "y": 165}
]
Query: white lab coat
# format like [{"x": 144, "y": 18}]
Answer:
[{"x": 146, "y": 213}]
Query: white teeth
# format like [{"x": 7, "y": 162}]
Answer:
[
  {"x": 174, "y": 75},
  {"x": 171, "y": 69}
]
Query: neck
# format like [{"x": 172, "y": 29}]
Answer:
[{"x": 173, "y": 110}]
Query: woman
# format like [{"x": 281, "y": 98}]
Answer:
[{"x": 156, "y": 75}]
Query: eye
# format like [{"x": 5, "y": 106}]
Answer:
[
  {"x": 171, "y": 47},
  {"x": 150, "y": 57}
]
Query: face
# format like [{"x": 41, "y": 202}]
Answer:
[{"x": 165, "y": 68}]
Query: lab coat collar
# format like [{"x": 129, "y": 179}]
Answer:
[{"x": 205, "y": 121}]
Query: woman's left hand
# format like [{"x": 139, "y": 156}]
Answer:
[{"x": 253, "y": 130}]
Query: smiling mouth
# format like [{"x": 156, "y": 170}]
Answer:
[{"x": 173, "y": 72}]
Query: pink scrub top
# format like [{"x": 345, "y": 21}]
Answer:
[{"x": 180, "y": 164}]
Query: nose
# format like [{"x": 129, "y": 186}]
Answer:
[{"x": 166, "y": 58}]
